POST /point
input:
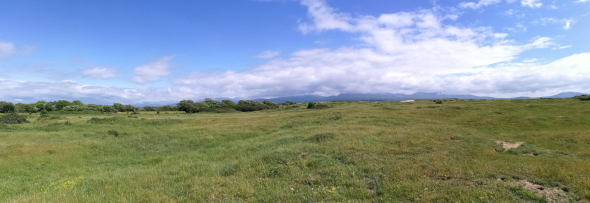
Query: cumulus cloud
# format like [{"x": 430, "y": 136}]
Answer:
[
  {"x": 531, "y": 3},
  {"x": 479, "y": 4},
  {"x": 403, "y": 52},
  {"x": 268, "y": 54},
  {"x": 152, "y": 71},
  {"x": 99, "y": 72},
  {"x": 409, "y": 52}
]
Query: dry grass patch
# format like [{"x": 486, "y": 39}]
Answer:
[{"x": 508, "y": 145}]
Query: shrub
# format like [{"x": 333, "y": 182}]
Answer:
[
  {"x": 582, "y": 97},
  {"x": 288, "y": 103},
  {"x": 438, "y": 101},
  {"x": 269, "y": 103},
  {"x": 6, "y": 107},
  {"x": 247, "y": 105},
  {"x": 318, "y": 105},
  {"x": 113, "y": 133},
  {"x": 228, "y": 103},
  {"x": 14, "y": 118}
]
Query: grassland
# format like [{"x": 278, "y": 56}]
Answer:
[{"x": 351, "y": 152}]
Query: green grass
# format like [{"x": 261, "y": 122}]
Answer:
[{"x": 350, "y": 152}]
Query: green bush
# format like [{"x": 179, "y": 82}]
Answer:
[
  {"x": 582, "y": 97},
  {"x": 14, "y": 118},
  {"x": 247, "y": 105},
  {"x": 288, "y": 103},
  {"x": 318, "y": 105}
]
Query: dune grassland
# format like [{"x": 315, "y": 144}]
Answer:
[{"x": 533, "y": 150}]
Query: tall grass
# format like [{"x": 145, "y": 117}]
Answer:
[{"x": 352, "y": 151}]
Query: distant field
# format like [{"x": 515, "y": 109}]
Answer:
[{"x": 352, "y": 152}]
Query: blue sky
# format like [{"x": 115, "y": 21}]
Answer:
[{"x": 166, "y": 51}]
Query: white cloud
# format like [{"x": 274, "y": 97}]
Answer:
[
  {"x": 531, "y": 3},
  {"x": 6, "y": 49},
  {"x": 403, "y": 52},
  {"x": 479, "y": 4},
  {"x": 324, "y": 18},
  {"x": 152, "y": 71},
  {"x": 581, "y": 1},
  {"x": 567, "y": 22},
  {"x": 517, "y": 28},
  {"x": 268, "y": 54},
  {"x": 563, "y": 47},
  {"x": 99, "y": 72},
  {"x": 29, "y": 92},
  {"x": 409, "y": 52}
]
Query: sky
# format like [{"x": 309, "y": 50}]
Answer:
[{"x": 161, "y": 51}]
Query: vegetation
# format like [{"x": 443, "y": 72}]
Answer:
[
  {"x": 13, "y": 118},
  {"x": 350, "y": 152},
  {"x": 583, "y": 97}
]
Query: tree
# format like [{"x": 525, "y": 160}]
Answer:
[
  {"x": 269, "y": 103},
  {"x": 20, "y": 107},
  {"x": 228, "y": 103},
  {"x": 129, "y": 108},
  {"x": 60, "y": 104},
  {"x": 40, "y": 105},
  {"x": 187, "y": 106},
  {"x": 212, "y": 103},
  {"x": 94, "y": 107},
  {"x": 109, "y": 109},
  {"x": 119, "y": 107},
  {"x": 248, "y": 105},
  {"x": 6, "y": 107},
  {"x": 168, "y": 108},
  {"x": 77, "y": 102}
]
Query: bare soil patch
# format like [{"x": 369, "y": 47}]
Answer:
[
  {"x": 508, "y": 145},
  {"x": 551, "y": 194},
  {"x": 407, "y": 101}
]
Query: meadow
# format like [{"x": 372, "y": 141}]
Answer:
[{"x": 351, "y": 152}]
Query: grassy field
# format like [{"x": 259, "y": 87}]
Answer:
[{"x": 351, "y": 152}]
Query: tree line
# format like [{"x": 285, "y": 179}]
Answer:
[
  {"x": 188, "y": 106},
  {"x": 64, "y": 106}
]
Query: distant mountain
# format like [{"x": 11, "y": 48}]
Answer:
[
  {"x": 397, "y": 97},
  {"x": 371, "y": 97},
  {"x": 566, "y": 95}
]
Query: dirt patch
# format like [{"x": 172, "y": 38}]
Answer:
[
  {"x": 552, "y": 194},
  {"x": 508, "y": 145},
  {"x": 302, "y": 155},
  {"x": 407, "y": 101}
]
